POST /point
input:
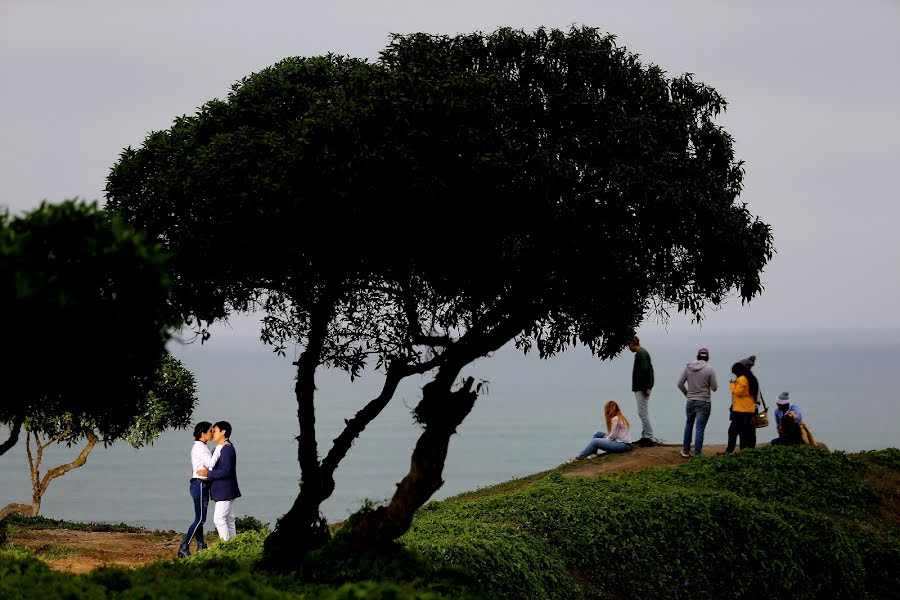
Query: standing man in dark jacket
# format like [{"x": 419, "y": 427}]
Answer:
[
  {"x": 642, "y": 385},
  {"x": 701, "y": 382},
  {"x": 223, "y": 477}
]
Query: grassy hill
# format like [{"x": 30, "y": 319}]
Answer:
[{"x": 767, "y": 523}]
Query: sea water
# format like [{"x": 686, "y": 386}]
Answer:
[{"x": 535, "y": 415}]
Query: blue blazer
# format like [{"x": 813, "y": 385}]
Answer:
[{"x": 223, "y": 478}]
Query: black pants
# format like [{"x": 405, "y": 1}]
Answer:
[{"x": 741, "y": 425}]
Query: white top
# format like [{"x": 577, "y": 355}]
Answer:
[
  {"x": 202, "y": 458},
  {"x": 619, "y": 431}
]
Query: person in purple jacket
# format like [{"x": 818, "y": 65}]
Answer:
[{"x": 224, "y": 488}]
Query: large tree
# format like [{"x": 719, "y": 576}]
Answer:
[{"x": 425, "y": 210}]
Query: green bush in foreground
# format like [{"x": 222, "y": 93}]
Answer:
[
  {"x": 25, "y": 578},
  {"x": 770, "y": 523}
]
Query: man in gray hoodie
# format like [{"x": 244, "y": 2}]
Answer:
[{"x": 701, "y": 382}]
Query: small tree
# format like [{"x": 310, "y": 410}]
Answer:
[
  {"x": 85, "y": 319},
  {"x": 168, "y": 404},
  {"x": 461, "y": 193}
]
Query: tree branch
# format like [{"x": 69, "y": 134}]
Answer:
[
  {"x": 31, "y": 466},
  {"x": 13, "y": 436},
  {"x": 395, "y": 373},
  {"x": 57, "y": 439},
  {"x": 15, "y": 507},
  {"x": 63, "y": 469}
]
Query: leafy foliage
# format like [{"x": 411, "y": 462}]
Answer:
[
  {"x": 456, "y": 179},
  {"x": 888, "y": 457},
  {"x": 250, "y": 523},
  {"x": 84, "y": 299}
]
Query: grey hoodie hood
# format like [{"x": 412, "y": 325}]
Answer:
[{"x": 700, "y": 378}]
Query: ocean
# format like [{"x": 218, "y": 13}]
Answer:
[{"x": 535, "y": 415}]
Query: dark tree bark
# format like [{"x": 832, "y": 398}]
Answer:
[
  {"x": 303, "y": 528},
  {"x": 304, "y": 514},
  {"x": 440, "y": 411},
  {"x": 14, "y": 432}
]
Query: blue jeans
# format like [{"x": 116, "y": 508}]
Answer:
[
  {"x": 200, "y": 494},
  {"x": 599, "y": 442},
  {"x": 695, "y": 410}
]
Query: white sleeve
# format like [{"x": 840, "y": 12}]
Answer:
[
  {"x": 613, "y": 426},
  {"x": 213, "y": 457}
]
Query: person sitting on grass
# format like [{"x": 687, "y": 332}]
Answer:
[
  {"x": 617, "y": 440},
  {"x": 788, "y": 422}
]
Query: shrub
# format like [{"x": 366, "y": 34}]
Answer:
[
  {"x": 245, "y": 548},
  {"x": 39, "y": 522},
  {"x": 776, "y": 519},
  {"x": 250, "y": 523}
]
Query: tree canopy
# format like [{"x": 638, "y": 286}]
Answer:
[
  {"x": 545, "y": 187},
  {"x": 85, "y": 320}
]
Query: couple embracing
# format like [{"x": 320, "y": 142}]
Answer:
[{"x": 213, "y": 475}]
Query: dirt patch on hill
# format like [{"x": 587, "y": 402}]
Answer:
[
  {"x": 639, "y": 458},
  {"x": 84, "y": 551}
]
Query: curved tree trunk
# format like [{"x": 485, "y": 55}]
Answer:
[
  {"x": 39, "y": 485},
  {"x": 441, "y": 411},
  {"x": 445, "y": 411},
  {"x": 305, "y": 513}
]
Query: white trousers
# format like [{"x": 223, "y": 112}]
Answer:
[{"x": 223, "y": 517}]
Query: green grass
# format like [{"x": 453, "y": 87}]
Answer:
[{"x": 768, "y": 523}]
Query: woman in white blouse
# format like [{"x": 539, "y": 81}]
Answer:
[
  {"x": 201, "y": 458},
  {"x": 617, "y": 440}
]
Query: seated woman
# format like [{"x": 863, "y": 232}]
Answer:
[
  {"x": 788, "y": 422},
  {"x": 617, "y": 440}
]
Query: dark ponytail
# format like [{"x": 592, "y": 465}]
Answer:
[
  {"x": 742, "y": 370},
  {"x": 201, "y": 428}
]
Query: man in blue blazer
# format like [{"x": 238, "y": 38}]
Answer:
[{"x": 224, "y": 488}]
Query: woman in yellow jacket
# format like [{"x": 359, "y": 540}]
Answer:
[{"x": 744, "y": 392}]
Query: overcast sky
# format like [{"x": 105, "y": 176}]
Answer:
[{"x": 813, "y": 87}]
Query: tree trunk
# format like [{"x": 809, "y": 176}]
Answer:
[
  {"x": 38, "y": 485},
  {"x": 446, "y": 411},
  {"x": 303, "y": 528},
  {"x": 305, "y": 515},
  {"x": 441, "y": 411}
]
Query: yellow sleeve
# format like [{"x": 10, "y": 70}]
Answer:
[{"x": 740, "y": 386}]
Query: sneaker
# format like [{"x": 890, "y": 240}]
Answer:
[
  {"x": 685, "y": 454},
  {"x": 646, "y": 442},
  {"x": 575, "y": 460}
]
